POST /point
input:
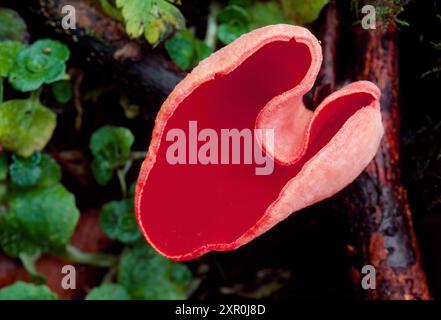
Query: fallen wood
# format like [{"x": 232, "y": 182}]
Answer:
[
  {"x": 382, "y": 232},
  {"x": 144, "y": 72}
]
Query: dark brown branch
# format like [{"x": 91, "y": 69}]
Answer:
[
  {"x": 143, "y": 71},
  {"x": 377, "y": 205}
]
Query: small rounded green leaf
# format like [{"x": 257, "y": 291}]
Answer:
[
  {"x": 50, "y": 171},
  {"x": 180, "y": 274},
  {"x": 25, "y": 126},
  {"x": 108, "y": 291},
  {"x": 147, "y": 275},
  {"x": 111, "y": 148},
  {"x": 266, "y": 13},
  {"x": 41, "y": 170},
  {"x": 181, "y": 51},
  {"x": 8, "y": 54},
  {"x": 26, "y": 291},
  {"x": 42, "y": 62},
  {"x": 227, "y": 33},
  {"x": 303, "y": 12},
  {"x": 112, "y": 143},
  {"x": 62, "y": 91},
  {"x": 50, "y": 48},
  {"x": 234, "y": 15},
  {"x": 102, "y": 170},
  {"x": 39, "y": 219},
  {"x": 118, "y": 221},
  {"x": 12, "y": 26},
  {"x": 185, "y": 50},
  {"x": 202, "y": 50},
  {"x": 25, "y": 172}
]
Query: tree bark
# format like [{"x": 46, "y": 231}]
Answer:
[
  {"x": 144, "y": 72},
  {"x": 382, "y": 232}
]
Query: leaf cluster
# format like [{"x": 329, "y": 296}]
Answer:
[
  {"x": 242, "y": 16},
  {"x": 110, "y": 148},
  {"x": 39, "y": 219},
  {"x": 26, "y": 291},
  {"x": 147, "y": 275},
  {"x": 153, "y": 19},
  {"x": 37, "y": 213},
  {"x": 186, "y": 50},
  {"x": 25, "y": 124}
]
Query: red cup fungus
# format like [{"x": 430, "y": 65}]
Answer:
[{"x": 206, "y": 197}]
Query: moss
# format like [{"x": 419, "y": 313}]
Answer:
[{"x": 388, "y": 11}]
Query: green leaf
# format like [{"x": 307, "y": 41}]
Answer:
[
  {"x": 8, "y": 54},
  {"x": 39, "y": 219},
  {"x": 110, "y": 10},
  {"x": 25, "y": 126},
  {"x": 51, "y": 171},
  {"x": 234, "y": 15},
  {"x": 241, "y": 3},
  {"x": 202, "y": 50},
  {"x": 302, "y": 12},
  {"x": 181, "y": 51},
  {"x": 41, "y": 170},
  {"x": 267, "y": 13},
  {"x": 25, "y": 172},
  {"x": 12, "y": 241},
  {"x": 12, "y": 26},
  {"x": 110, "y": 147},
  {"x": 62, "y": 91},
  {"x": 235, "y": 21},
  {"x": 108, "y": 291},
  {"x": 180, "y": 274},
  {"x": 51, "y": 48},
  {"x": 3, "y": 166},
  {"x": 185, "y": 50},
  {"x": 102, "y": 170},
  {"x": 147, "y": 275},
  {"x": 112, "y": 143},
  {"x": 155, "y": 19},
  {"x": 42, "y": 62},
  {"x": 118, "y": 221},
  {"x": 26, "y": 291},
  {"x": 227, "y": 33}
]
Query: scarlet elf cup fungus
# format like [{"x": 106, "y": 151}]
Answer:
[{"x": 186, "y": 209}]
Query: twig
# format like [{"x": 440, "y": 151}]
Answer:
[
  {"x": 77, "y": 99},
  {"x": 211, "y": 33},
  {"x": 103, "y": 260}
]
